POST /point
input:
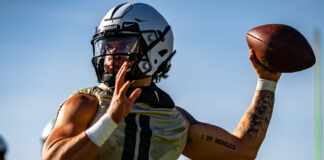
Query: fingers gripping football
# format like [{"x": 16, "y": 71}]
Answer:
[
  {"x": 121, "y": 105},
  {"x": 261, "y": 71}
]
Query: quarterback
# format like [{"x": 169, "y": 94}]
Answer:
[{"x": 128, "y": 117}]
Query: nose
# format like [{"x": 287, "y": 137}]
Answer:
[
  {"x": 115, "y": 57},
  {"x": 111, "y": 51}
]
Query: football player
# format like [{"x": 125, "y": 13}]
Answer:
[{"x": 128, "y": 117}]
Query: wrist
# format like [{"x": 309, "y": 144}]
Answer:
[
  {"x": 99, "y": 132},
  {"x": 264, "y": 84},
  {"x": 115, "y": 117}
]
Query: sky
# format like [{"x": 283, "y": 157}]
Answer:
[{"x": 46, "y": 56}]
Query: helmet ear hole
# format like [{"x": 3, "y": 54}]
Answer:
[
  {"x": 155, "y": 61},
  {"x": 163, "y": 52}
]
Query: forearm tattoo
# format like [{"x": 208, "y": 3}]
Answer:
[{"x": 258, "y": 117}]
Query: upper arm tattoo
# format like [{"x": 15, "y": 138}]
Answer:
[
  {"x": 206, "y": 137},
  {"x": 219, "y": 141},
  {"x": 187, "y": 116}
]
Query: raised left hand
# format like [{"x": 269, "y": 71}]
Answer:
[{"x": 121, "y": 105}]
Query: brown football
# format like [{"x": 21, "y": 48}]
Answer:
[{"x": 280, "y": 48}]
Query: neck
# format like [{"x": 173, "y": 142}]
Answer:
[
  {"x": 142, "y": 82},
  {"x": 136, "y": 83}
]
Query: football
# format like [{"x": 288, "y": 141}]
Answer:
[{"x": 280, "y": 48}]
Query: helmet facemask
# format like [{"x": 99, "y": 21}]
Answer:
[{"x": 111, "y": 50}]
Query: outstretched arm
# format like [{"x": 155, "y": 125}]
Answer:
[{"x": 206, "y": 141}]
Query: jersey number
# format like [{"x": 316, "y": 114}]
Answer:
[{"x": 130, "y": 137}]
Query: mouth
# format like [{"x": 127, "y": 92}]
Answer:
[{"x": 110, "y": 68}]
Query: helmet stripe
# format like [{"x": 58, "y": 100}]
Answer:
[{"x": 115, "y": 10}]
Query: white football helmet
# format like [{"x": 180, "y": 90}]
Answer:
[{"x": 151, "y": 49}]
